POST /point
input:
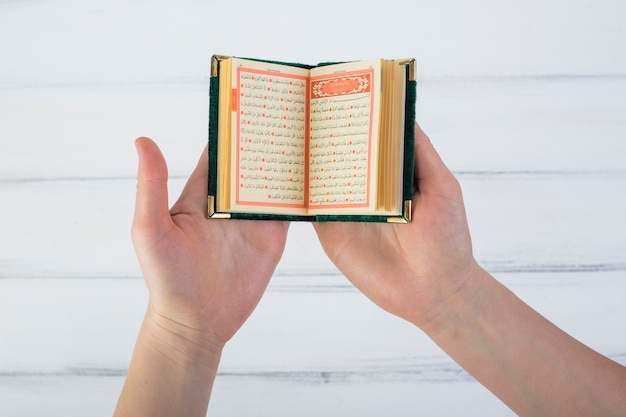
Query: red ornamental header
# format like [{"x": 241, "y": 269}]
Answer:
[{"x": 341, "y": 86}]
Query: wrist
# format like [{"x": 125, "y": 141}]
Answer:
[
  {"x": 171, "y": 372},
  {"x": 181, "y": 342},
  {"x": 457, "y": 309}
]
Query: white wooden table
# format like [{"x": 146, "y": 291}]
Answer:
[{"x": 526, "y": 104}]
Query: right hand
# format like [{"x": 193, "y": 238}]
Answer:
[{"x": 411, "y": 270}]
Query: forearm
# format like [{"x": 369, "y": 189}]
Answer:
[
  {"x": 171, "y": 372},
  {"x": 530, "y": 364}
]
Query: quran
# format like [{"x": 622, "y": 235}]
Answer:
[{"x": 326, "y": 142}]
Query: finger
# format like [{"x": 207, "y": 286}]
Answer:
[
  {"x": 151, "y": 207},
  {"x": 428, "y": 163},
  {"x": 194, "y": 196}
]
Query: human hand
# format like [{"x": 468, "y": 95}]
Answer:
[
  {"x": 410, "y": 270},
  {"x": 425, "y": 272},
  {"x": 206, "y": 276}
]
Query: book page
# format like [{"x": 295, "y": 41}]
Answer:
[
  {"x": 269, "y": 108},
  {"x": 342, "y": 139},
  {"x": 391, "y": 137}
]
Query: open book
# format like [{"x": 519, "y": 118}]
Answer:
[{"x": 317, "y": 143}]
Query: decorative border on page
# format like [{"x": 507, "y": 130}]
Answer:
[
  {"x": 341, "y": 86},
  {"x": 269, "y": 95},
  {"x": 333, "y": 92}
]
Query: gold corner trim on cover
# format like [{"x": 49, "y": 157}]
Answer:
[
  {"x": 211, "y": 206},
  {"x": 408, "y": 209},
  {"x": 410, "y": 62},
  {"x": 406, "y": 214},
  {"x": 212, "y": 214},
  {"x": 215, "y": 64}
]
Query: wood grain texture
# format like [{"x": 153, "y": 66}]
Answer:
[{"x": 525, "y": 103}]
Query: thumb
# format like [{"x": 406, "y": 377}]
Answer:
[
  {"x": 151, "y": 207},
  {"x": 430, "y": 170},
  {"x": 427, "y": 161}
]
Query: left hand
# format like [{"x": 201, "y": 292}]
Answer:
[{"x": 205, "y": 275}]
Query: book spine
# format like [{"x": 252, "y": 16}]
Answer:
[
  {"x": 409, "y": 138},
  {"x": 213, "y": 131}
]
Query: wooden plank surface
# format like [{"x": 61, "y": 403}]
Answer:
[{"x": 526, "y": 105}]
